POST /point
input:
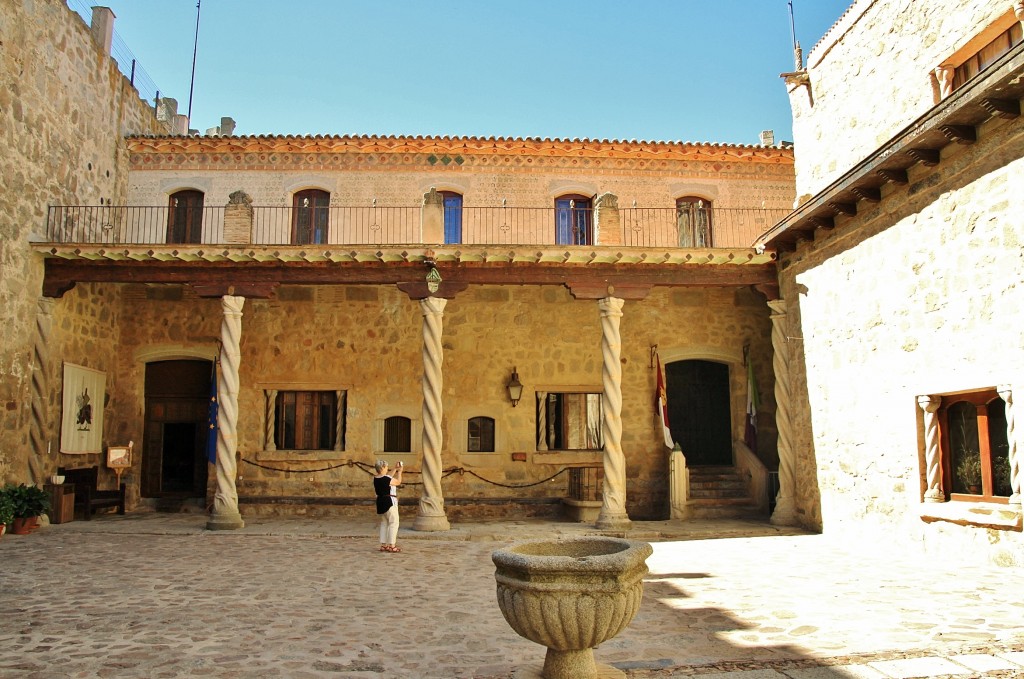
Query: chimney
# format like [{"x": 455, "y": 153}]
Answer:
[
  {"x": 167, "y": 110},
  {"x": 102, "y": 28},
  {"x": 227, "y": 126},
  {"x": 767, "y": 137}
]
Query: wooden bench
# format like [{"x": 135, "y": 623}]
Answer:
[{"x": 87, "y": 495}]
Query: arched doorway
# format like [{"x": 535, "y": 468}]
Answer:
[
  {"x": 698, "y": 411},
  {"x": 174, "y": 459}
]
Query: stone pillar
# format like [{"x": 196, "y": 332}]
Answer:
[
  {"x": 431, "y": 516},
  {"x": 1018, "y": 10},
  {"x": 238, "y": 218},
  {"x": 542, "y": 420},
  {"x": 785, "y": 501},
  {"x": 38, "y": 459},
  {"x": 607, "y": 222},
  {"x": 1012, "y": 438},
  {"x": 930, "y": 405},
  {"x": 944, "y": 76},
  {"x": 269, "y": 431},
  {"x": 613, "y": 507},
  {"x": 432, "y": 217},
  {"x": 225, "y": 514},
  {"x": 102, "y": 28},
  {"x": 339, "y": 422}
]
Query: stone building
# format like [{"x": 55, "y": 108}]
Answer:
[
  {"x": 489, "y": 311},
  {"x": 901, "y": 279}
]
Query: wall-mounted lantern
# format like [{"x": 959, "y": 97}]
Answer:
[{"x": 515, "y": 388}]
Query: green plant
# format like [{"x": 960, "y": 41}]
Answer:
[
  {"x": 28, "y": 501},
  {"x": 6, "y": 507},
  {"x": 968, "y": 470}
]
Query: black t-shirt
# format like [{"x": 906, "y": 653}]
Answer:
[{"x": 382, "y": 486}]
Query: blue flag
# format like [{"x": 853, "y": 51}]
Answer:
[{"x": 211, "y": 440}]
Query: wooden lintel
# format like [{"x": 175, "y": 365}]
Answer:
[
  {"x": 842, "y": 208},
  {"x": 259, "y": 278},
  {"x": 599, "y": 290},
  {"x": 927, "y": 157},
  {"x": 868, "y": 193},
  {"x": 445, "y": 289},
  {"x": 961, "y": 134},
  {"x": 1007, "y": 109},
  {"x": 894, "y": 176}
]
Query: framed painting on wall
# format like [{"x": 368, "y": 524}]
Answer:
[{"x": 81, "y": 421}]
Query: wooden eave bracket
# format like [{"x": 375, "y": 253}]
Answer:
[
  {"x": 960, "y": 134},
  {"x": 1007, "y": 109}
]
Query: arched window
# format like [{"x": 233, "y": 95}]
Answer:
[
  {"x": 452, "y": 216},
  {"x": 310, "y": 217},
  {"x": 481, "y": 435},
  {"x": 185, "y": 217},
  {"x": 693, "y": 222},
  {"x": 974, "y": 445},
  {"x": 397, "y": 434},
  {"x": 574, "y": 220}
]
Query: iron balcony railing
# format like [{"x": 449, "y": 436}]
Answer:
[{"x": 373, "y": 225}]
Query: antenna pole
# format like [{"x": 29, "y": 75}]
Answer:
[
  {"x": 798, "y": 55},
  {"x": 195, "y": 49}
]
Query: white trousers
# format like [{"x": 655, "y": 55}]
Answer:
[{"x": 389, "y": 526}]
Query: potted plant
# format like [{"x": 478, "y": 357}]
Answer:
[
  {"x": 968, "y": 472},
  {"x": 6, "y": 510},
  {"x": 29, "y": 503}
]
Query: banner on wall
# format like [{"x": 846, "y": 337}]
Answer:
[{"x": 81, "y": 421}]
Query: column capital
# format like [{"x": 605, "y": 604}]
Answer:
[
  {"x": 610, "y": 306},
  {"x": 929, "y": 403},
  {"x": 778, "y": 307}
]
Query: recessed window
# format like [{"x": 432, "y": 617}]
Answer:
[
  {"x": 452, "y": 203},
  {"x": 397, "y": 434},
  {"x": 693, "y": 222},
  {"x": 307, "y": 420},
  {"x": 988, "y": 54},
  {"x": 185, "y": 217},
  {"x": 480, "y": 435},
  {"x": 573, "y": 421},
  {"x": 310, "y": 217},
  {"x": 973, "y": 446},
  {"x": 574, "y": 220}
]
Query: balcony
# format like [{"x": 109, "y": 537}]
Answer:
[{"x": 242, "y": 224}]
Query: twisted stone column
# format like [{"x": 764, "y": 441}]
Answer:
[
  {"x": 1006, "y": 393},
  {"x": 339, "y": 422},
  {"x": 269, "y": 418},
  {"x": 225, "y": 514},
  {"x": 542, "y": 420},
  {"x": 785, "y": 504},
  {"x": 613, "y": 507},
  {"x": 39, "y": 432},
  {"x": 930, "y": 405},
  {"x": 431, "y": 514}
]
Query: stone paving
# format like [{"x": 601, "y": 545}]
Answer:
[{"x": 153, "y": 595}]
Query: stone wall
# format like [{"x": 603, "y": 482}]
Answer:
[
  {"x": 367, "y": 340},
  {"x": 872, "y": 75},
  {"x": 919, "y": 294},
  {"x": 64, "y": 109}
]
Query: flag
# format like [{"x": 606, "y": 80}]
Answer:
[
  {"x": 661, "y": 408},
  {"x": 753, "y": 403},
  {"x": 211, "y": 421}
]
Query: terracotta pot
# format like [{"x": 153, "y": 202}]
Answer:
[
  {"x": 25, "y": 526},
  {"x": 571, "y": 595}
]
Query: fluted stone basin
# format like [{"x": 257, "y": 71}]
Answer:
[{"x": 570, "y": 596}]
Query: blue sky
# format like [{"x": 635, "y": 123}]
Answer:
[{"x": 668, "y": 70}]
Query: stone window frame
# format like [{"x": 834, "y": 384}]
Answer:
[
  {"x": 272, "y": 452},
  {"x": 415, "y": 433},
  {"x": 939, "y": 503},
  {"x": 948, "y": 76},
  {"x": 540, "y": 399}
]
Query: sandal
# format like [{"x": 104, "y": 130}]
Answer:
[
  {"x": 385, "y": 548},
  {"x": 394, "y": 549}
]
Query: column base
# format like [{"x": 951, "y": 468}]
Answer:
[
  {"x": 613, "y": 521},
  {"x": 934, "y": 496},
  {"x": 225, "y": 521},
  {"x": 431, "y": 523},
  {"x": 785, "y": 513}
]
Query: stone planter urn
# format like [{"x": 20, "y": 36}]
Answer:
[{"x": 571, "y": 595}]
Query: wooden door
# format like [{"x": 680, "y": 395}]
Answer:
[
  {"x": 174, "y": 460},
  {"x": 698, "y": 411}
]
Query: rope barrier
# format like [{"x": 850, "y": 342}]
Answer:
[{"x": 445, "y": 473}]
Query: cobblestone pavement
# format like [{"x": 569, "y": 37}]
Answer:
[{"x": 154, "y": 595}]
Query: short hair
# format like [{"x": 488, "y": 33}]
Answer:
[{"x": 379, "y": 465}]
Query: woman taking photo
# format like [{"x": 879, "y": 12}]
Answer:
[{"x": 387, "y": 504}]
